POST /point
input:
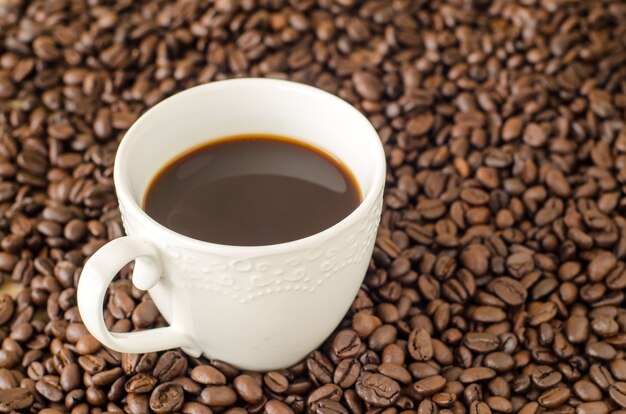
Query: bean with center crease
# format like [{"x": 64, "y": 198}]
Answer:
[{"x": 377, "y": 389}]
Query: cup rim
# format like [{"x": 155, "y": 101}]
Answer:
[{"x": 131, "y": 207}]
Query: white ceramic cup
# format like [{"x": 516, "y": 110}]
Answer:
[{"x": 256, "y": 307}]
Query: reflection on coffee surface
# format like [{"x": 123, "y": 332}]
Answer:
[{"x": 252, "y": 190}]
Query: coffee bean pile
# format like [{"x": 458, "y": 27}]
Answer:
[{"x": 497, "y": 280}]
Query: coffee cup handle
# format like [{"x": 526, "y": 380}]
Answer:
[{"x": 95, "y": 278}]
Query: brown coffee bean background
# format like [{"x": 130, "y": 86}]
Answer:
[{"x": 497, "y": 281}]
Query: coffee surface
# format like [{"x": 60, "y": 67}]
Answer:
[{"x": 252, "y": 190}]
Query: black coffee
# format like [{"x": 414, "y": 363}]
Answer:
[{"x": 252, "y": 190}]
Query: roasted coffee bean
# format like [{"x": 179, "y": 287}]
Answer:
[
  {"x": 218, "y": 396},
  {"x": 617, "y": 368},
  {"x": 295, "y": 402},
  {"x": 597, "y": 407},
  {"x": 421, "y": 370},
  {"x": 189, "y": 385},
  {"x": 427, "y": 406},
  {"x": 577, "y": 329},
  {"x": 554, "y": 397},
  {"x": 299, "y": 387},
  {"x": 70, "y": 377},
  {"x": 429, "y": 385},
  {"x": 346, "y": 373},
  {"x": 479, "y": 408},
  {"x": 87, "y": 345},
  {"x": 146, "y": 363},
  {"x": 248, "y": 389},
  {"x": 145, "y": 314},
  {"x": 327, "y": 391},
  {"x": 499, "y": 404},
  {"x": 320, "y": 367},
  {"x": 600, "y": 376},
  {"x": 587, "y": 390},
  {"x": 95, "y": 396},
  {"x": 617, "y": 392},
  {"x": 14, "y": 399},
  {"x": 481, "y": 342},
  {"x": 327, "y": 405},
  {"x": 420, "y": 124},
  {"x": 170, "y": 365},
  {"x": 6, "y": 308},
  {"x": 499, "y": 361},
  {"x": 7, "y": 379},
  {"x": 544, "y": 376},
  {"x": 49, "y": 387},
  {"x": 604, "y": 326},
  {"x": 600, "y": 266},
  {"x": 365, "y": 324},
  {"x": 277, "y": 407},
  {"x": 367, "y": 85},
  {"x": 382, "y": 336},
  {"x": 508, "y": 290},
  {"x": 195, "y": 408},
  {"x": 74, "y": 398},
  {"x": 207, "y": 375},
  {"x": 431, "y": 209},
  {"x": 276, "y": 382},
  {"x": 75, "y": 331},
  {"x": 476, "y": 374},
  {"x": 346, "y": 344},
  {"x": 137, "y": 403},
  {"x": 420, "y": 345},
  {"x": 166, "y": 398},
  {"x": 377, "y": 390},
  {"x": 91, "y": 363},
  {"x": 140, "y": 383}
]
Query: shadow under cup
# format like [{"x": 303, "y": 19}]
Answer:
[{"x": 257, "y": 307}]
